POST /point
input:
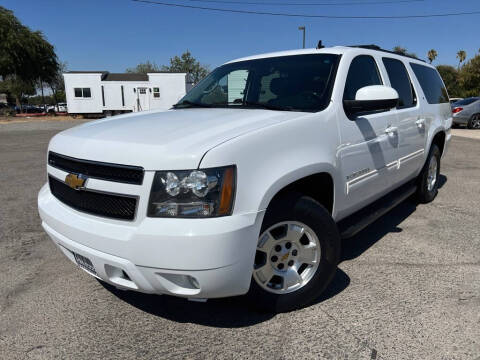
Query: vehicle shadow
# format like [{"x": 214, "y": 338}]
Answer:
[
  {"x": 224, "y": 313},
  {"x": 235, "y": 312},
  {"x": 389, "y": 223}
]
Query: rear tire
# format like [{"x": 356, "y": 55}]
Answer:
[
  {"x": 428, "y": 179},
  {"x": 297, "y": 254},
  {"x": 474, "y": 122}
]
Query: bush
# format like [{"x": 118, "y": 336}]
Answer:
[{"x": 7, "y": 112}]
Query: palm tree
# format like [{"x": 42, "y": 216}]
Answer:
[
  {"x": 400, "y": 50},
  {"x": 432, "y": 55},
  {"x": 461, "y": 56}
]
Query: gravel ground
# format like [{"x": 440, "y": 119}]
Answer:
[{"x": 408, "y": 286}]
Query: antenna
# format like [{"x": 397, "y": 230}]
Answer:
[{"x": 320, "y": 46}]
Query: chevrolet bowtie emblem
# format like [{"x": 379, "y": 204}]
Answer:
[{"x": 76, "y": 182}]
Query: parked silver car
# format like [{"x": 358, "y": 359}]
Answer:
[
  {"x": 454, "y": 100},
  {"x": 467, "y": 112}
]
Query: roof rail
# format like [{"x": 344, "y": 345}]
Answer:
[{"x": 378, "y": 48}]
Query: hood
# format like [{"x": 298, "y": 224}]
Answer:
[{"x": 170, "y": 140}]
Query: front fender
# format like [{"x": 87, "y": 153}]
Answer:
[{"x": 271, "y": 158}]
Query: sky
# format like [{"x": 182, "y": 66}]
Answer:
[{"x": 115, "y": 34}]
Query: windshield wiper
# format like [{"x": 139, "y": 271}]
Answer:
[
  {"x": 188, "y": 103},
  {"x": 269, "y": 106}
]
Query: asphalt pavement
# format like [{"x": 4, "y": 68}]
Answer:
[{"x": 408, "y": 286}]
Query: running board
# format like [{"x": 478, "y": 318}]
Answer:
[{"x": 358, "y": 221}]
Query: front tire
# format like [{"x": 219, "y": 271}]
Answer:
[
  {"x": 297, "y": 254},
  {"x": 428, "y": 179}
]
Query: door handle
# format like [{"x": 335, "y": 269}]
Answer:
[
  {"x": 420, "y": 123},
  {"x": 391, "y": 130}
]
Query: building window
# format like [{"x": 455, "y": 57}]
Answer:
[
  {"x": 82, "y": 92},
  {"x": 103, "y": 96},
  {"x": 123, "y": 96},
  {"x": 156, "y": 92},
  {"x": 142, "y": 90}
]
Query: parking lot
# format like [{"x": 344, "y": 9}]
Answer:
[{"x": 408, "y": 286}]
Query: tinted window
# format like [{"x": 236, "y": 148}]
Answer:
[
  {"x": 466, "y": 101},
  {"x": 431, "y": 84},
  {"x": 82, "y": 92},
  {"x": 363, "y": 72},
  {"x": 290, "y": 83},
  {"x": 400, "y": 81}
]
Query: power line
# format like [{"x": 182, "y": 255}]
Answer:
[
  {"x": 308, "y": 4},
  {"x": 250, "y": 12}
]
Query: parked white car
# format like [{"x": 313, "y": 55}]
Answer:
[
  {"x": 60, "y": 107},
  {"x": 249, "y": 183}
]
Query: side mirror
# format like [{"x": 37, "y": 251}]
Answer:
[{"x": 372, "y": 98}]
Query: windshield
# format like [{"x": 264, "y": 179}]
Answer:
[{"x": 288, "y": 83}]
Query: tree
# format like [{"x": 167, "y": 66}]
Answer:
[
  {"x": 461, "y": 56},
  {"x": 403, "y": 51},
  {"x": 188, "y": 64},
  {"x": 26, "y": 57},
  {"x": 18, "y": 88},
  {"x": 57, "y": 83},
  {"x": 469, "y": 77},
  {"x": 144, "y": 68},
  {"x": 400, "y": 50},
  {"x": 432, "y": 55},
  {"x": 450, "y": 77}
]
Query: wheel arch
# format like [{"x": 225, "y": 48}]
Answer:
[
  {"x": 439, "y": 140},
  {"x": 319, "y": 185}
]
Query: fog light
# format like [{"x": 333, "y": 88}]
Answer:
[{"x": 194, "y": 282}]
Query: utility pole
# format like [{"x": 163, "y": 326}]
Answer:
[{"x": 303, "y": 29}]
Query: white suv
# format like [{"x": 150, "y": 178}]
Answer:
[{"x": 249, "y": 183}]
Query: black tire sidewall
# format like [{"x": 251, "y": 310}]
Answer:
[
  {"x": 424, "y": 195},
  {"x": 295, "y": 207}
]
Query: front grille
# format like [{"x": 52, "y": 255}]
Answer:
[
  {"x": 98, "y": 170},
  {"x": 92, "y": 202}
]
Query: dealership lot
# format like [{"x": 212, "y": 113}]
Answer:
[{"x": 408, "y": 286}]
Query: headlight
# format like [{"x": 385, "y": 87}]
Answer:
[{"x": 193, "y": 193}]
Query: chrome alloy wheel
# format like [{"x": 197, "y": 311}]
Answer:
[
  {"x": 476, "y": 122},
  {"x": 288, "y": 254},
  {"x": 432, "y": 173}
]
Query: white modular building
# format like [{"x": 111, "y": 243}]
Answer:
[{"x": 100, "y": 93}]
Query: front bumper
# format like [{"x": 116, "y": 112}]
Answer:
[{"x": 195, "y": 258}]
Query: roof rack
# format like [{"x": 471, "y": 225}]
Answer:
[{"x": 378, "y": 48}]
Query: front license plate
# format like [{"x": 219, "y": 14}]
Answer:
[{"x": 84, "y": 263}]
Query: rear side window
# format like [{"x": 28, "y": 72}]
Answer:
[
  {"x": 431, "y": 83},
  {"x": 400, "y": 81},
  {"x": 466, "y": 101},
  {"x": 363, "y": 72}
]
